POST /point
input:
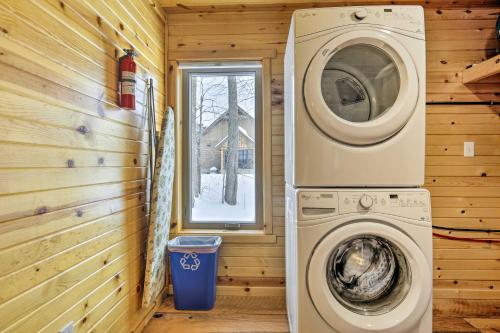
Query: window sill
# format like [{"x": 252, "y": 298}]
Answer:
[{"x": 233, "y": 236}]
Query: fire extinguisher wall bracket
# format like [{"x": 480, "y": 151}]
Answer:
[{"x": 126, "y": 83}]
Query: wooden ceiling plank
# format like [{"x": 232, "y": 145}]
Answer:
[{"x": 176, "y": 6}]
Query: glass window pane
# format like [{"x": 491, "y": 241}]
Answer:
[
  {"x": 360, "y": 82},
  {"x": 222, "y": 150}
]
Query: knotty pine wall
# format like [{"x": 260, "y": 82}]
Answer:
[
  {"x": 465, "y": 191},
  {"x": 72, "y": 164}
]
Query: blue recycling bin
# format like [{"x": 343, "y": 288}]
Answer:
[{"x": 193, "y": 262}]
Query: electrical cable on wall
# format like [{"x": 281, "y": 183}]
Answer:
[
  {"x": 467, "y": 239},
  {"x": 464, "y": 229}
]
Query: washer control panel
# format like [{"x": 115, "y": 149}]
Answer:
[
  {"x": 314, "y": 205},
  {"x": 319, "y": 204},
  {"x": 366, "y": 201},
  {"x": 413, "y": 205},
  {"x": 360, "y": 13}
]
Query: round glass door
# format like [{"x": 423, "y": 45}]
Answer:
[
  {"x": 361, "y": 87},
  {"x": 368, "y": 274},
  {"x": 360, "y": 83}
]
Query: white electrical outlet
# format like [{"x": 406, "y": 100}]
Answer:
[
  {"x": 468, "y": 149},
  {"x": 68, "y": 328}
]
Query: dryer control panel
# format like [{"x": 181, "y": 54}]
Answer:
[
  {"x": 412, "y": 205},
  {"x": 408, "y": 18}
]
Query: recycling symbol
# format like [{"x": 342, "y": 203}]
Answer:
[{"x": 190, "y": 261}]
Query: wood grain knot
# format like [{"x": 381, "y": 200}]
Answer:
[
  {"x": 82, "y": 129},
  {"x": 41, "y": 210}
]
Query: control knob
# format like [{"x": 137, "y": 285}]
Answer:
[
  {"x": 361, "y": 13},
  {"x": 366, "y": 201}
]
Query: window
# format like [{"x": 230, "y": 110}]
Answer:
[{"x": 222, "y": 145}]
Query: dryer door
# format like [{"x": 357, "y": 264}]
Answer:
[
  {"x": 361, "y": 87},
  {"x": 369, "y": 277}
]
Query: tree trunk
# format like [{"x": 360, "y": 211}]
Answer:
[
  {"x": 231, "y": 189},
  {"x": 195, "y": 170},
  {"x": 198, "y": 146}
]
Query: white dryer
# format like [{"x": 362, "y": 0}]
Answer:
[
  {"x": 355, "y": 97},
  {"x": 358, "y": 261}
]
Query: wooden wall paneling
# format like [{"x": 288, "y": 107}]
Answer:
[
  {"x": 87, "y": 289},
  {"x": 470, "y": 40},
  {"x": 84, "y": 50},
  {"x": 464, "y": 271},
  {"x": 24, "y": 84},
  {"x": 102, "y": 36},
  {"x": 20, "y": 306},
  {"x": 465, "y": 191},
  {"x": 37, "y": 180},
  {"x": 39, "y": 203},
  {"x": 29, "y": 251},
  {"x": 127, "y": 30},
  {"x": 18, "y": 106},
  {"x": 45, "y": 156},
  {"x": 23, "y": 231},
  {"x": 73, "y": 203}
]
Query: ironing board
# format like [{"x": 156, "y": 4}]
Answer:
[{"x": 160, "y": 212}]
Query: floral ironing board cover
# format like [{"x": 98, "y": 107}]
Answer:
[{"x": 160, "y": 212}]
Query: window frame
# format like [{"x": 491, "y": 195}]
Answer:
[{"x": 223, "y": 68}]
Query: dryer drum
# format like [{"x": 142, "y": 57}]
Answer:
[
  {"x": 368, "y": 274},
  {"x": 360, "y": 82}
]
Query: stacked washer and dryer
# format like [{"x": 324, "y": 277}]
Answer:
[{"x": 358, "y": 239}]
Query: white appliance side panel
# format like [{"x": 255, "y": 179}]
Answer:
[
  {"x": 292, "y": 286},
  {"x": 289, "y": 97}
]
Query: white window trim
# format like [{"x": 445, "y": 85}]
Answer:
[{"x": 264, "y": 233}]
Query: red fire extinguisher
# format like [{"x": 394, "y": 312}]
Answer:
[{"x": 126, "y": 84}]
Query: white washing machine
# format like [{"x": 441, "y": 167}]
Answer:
[
  {"x": 355, "y": 97},
  {"x": 359, "y": 261}
]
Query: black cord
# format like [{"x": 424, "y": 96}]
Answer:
[{"x": 465, "y": 229}]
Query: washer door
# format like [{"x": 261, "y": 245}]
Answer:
[
  {"x": 369, "y": 277},
  {"x": 361, "y": 87}
]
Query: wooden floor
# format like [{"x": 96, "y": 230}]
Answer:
[{"x": 268, "y": 315}]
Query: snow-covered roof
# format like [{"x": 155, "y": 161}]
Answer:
[
  {"x": 223, "y": 115},
  {"x": 245, "y": 133},
  {"x": 242, "y": 131}
]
